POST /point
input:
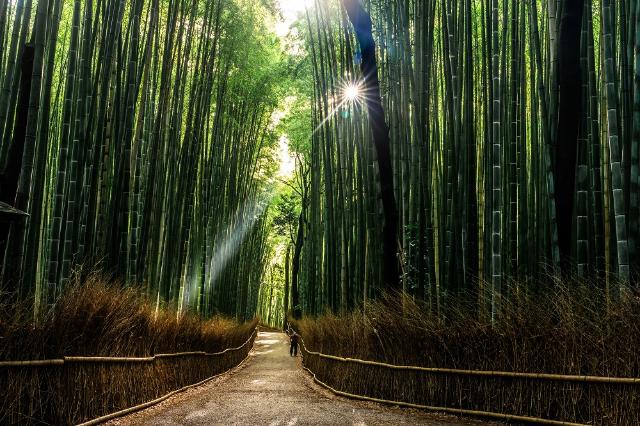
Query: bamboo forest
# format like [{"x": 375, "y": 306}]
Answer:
[{"x": 436, "y": 202}]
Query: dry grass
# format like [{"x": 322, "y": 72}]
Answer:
[
  {"x": 570, "y": 329},
  {"x": 96, "y": 319}
]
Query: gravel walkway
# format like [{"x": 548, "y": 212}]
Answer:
[{"x": 271, "y": 388}]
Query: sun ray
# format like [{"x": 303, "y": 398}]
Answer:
[{"x": 352, "y": 93}]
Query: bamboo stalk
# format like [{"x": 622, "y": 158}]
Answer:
[
  {"x": 102, "y": 359},
  {"x": 37, "y": 363}
]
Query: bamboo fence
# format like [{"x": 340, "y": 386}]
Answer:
[
  {"x": 75, "y": 389},
  {"x": 110, "y": 359},
  {"x": 556, "y": 399}
]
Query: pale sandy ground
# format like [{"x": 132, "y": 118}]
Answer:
[{"x": 271, "y": 388}]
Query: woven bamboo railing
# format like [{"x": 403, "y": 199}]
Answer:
[
  {"x": 449, "y": 372},
  {"x": 156, "y": 401},
  {"x": 79, "y": 388},
  {"x": 109, "y": 359},
  {"x": 486, "y": 373}
]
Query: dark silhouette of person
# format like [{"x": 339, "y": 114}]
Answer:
[{"x": 293, "y": 339}]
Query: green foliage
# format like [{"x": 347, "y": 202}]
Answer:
[
  {"x": 158, "y": 150},
  {"x": 287, "y": 210},
  {"x": 297, "y": 124}
]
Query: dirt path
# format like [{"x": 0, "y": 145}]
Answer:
[{"x": 271, "y": 388}]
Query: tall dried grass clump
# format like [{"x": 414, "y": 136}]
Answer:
[
  {"x": 99, "y": 319},
  {"x": 570, "y": 329}
]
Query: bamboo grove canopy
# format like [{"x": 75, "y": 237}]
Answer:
[
  {"x": 488, "y": 102},
  {"x": 139, "y": 130},
  {"x": 139, "y": 135}
]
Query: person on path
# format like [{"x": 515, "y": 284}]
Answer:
[{"x": 293, "y": 339}]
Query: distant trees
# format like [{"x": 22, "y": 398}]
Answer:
[{"x": 290, "y": 221}]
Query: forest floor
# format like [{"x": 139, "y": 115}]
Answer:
[{"x": 271, "y": 388}]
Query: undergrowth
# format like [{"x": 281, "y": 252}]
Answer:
[
  {"x": 96, "y": 318},
  {"x": 99, "y": 319},
  {"x": 572, "y": 329},
  {"x": 567, "y": 329}
]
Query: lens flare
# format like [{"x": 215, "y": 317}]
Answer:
[{"x": 352, "y": 92}]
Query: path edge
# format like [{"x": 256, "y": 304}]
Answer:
[
  {"x": 157, "y": 401},
  {"x": 455, "y": 411}
]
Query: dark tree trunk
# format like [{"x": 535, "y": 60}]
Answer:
[
  {"x": 568, "y": 123},
  {"x": 362, "y": 25},
  {"x": 287, "y": 262},
  {"x": 295, "y": 269},
  {"x": 270, "y": 303},
  {"x": 11, "y": 173}
]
